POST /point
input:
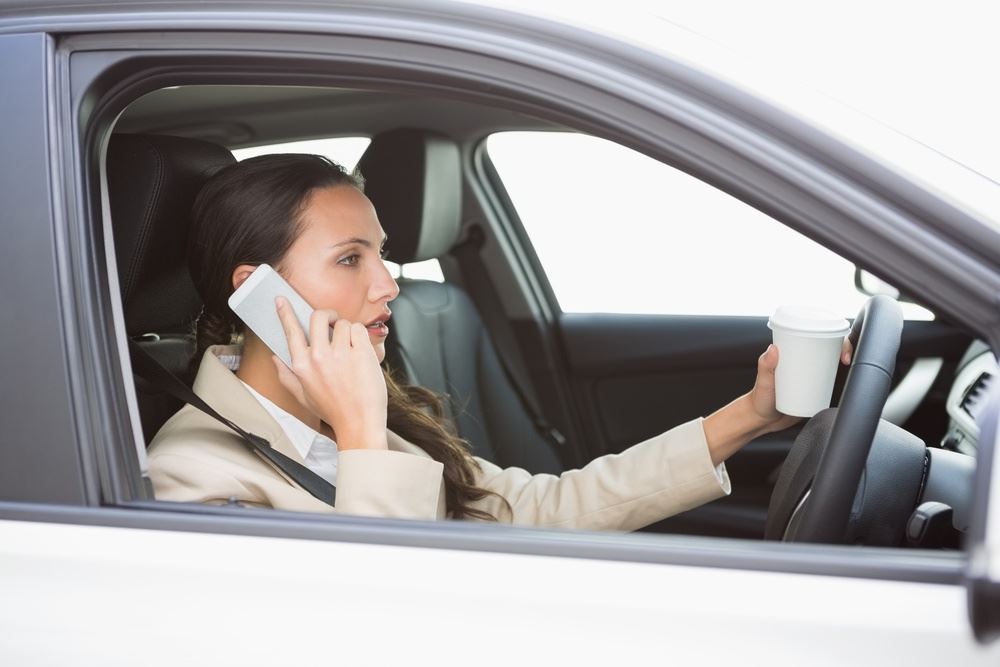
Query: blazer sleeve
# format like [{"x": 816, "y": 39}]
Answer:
[
  {"x": 388, "y": 483},
  {"x": 664, "y": 475}
]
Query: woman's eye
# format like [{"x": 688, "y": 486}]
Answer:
[{"x": 352, "y": 260}]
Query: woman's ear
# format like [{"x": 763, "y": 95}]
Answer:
[{"x": 241, "y": 273}]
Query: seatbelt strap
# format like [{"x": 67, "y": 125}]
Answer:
[
  {"x": 150, "y": 370},
  {"x": 491, "y": 310}
]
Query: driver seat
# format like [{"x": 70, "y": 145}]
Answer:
[{"x": 152, "y": 184}]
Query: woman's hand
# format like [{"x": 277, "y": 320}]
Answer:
[
  {"x": 846, "y": 352},
  {"x": 762, "y": 396},
  {"x": 753, "y": 414},
  {"x": 339, "y": 378}
]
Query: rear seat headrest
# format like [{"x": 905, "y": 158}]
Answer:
[
  {"x": 152, "y": 184},
  {"x": 413, "y": 177}
]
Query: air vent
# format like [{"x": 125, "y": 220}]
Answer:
[{"x": 972, "y": 402}]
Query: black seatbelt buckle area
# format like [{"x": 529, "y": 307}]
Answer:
[{"x": 551, "y": 432}]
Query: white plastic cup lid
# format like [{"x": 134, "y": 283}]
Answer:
[{"x": 808, "y": 321}]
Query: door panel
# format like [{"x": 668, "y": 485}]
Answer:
[
  {"x": 634, "y": 376},
  {"x": 198, "y": 593}
]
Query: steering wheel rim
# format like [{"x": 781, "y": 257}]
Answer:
[{"x": 823, "y": 513}]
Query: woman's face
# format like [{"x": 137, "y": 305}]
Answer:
[{"x": 336, "y": 261}]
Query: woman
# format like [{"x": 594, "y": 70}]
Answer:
[{"x": 384, "y": 445}]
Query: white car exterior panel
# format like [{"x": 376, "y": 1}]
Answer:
[
  {"x": 97, "y": 595},
  {"x": 115, "y": 596}
]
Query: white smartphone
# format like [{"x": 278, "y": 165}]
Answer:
[{"x": 254, "y": 303}]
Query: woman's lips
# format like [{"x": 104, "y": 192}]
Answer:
[{"x": 380, "y": 329}]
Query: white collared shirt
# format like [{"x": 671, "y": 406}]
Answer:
[{"x": 318, "y": 452}]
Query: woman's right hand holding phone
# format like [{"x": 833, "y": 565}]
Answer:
[{"x": 338, "y": 378}]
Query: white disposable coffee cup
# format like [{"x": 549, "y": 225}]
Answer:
[{"x": 809, "y": 343}]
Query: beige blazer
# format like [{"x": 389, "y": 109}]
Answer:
[{"x": 195, "y": 458}]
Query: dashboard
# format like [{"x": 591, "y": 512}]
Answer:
[{"x": 976, "y": 373}]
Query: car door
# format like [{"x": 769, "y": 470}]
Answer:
[
  {"x": 663, "y": 304},
  {"x": 87, "y": 556}
]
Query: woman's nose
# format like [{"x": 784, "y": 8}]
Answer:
[{"x": 384, "y": 285}]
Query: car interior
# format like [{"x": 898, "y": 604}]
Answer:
[{"x": 527, "y": 384}]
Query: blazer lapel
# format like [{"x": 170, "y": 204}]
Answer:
[{"x": 221, "y": 389}]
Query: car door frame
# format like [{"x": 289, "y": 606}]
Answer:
[{"x": 88, "y": 91}]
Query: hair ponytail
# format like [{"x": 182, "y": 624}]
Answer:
[{"x": 210, "y": 329}]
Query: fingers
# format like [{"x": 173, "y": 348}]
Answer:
[
  {"x": 344, "y": 333},
  {"x": 341, "y": 334},
  {"x": 293, "y": 332},
  {"x": 768, "y": 361},
  {"x": 289, "y": 380},
  {"x": 766, "y": 364},
  {"x": 285, "y": 375},
  {"x": 846, "y": 352},
  {"x": 319, "y": 327},
  {"x": 359, "y": 334}
]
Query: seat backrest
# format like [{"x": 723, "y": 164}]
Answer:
[
  {"x": 438, "y": 339},
  {"x": 152, "y": 184}
]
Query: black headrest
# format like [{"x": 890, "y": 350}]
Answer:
[
  {"x": 152, "y": 183},
  {"x": 414, "y": 179}
]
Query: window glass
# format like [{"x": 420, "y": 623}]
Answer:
[
  {"x": 429, "y": 269},
  {"x": 345, "y": 151},
  {"x": 619, "y": 232}
]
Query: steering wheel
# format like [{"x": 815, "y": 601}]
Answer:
[{"x": 820, "y": 512}]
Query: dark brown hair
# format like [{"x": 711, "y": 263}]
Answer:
[{"x": 249, "y": 213}]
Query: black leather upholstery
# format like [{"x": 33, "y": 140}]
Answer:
[
  {"x": 413, "y": 179},
  {"x": 438, "y": 339},
  {"x": 152, "y": 183}
]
